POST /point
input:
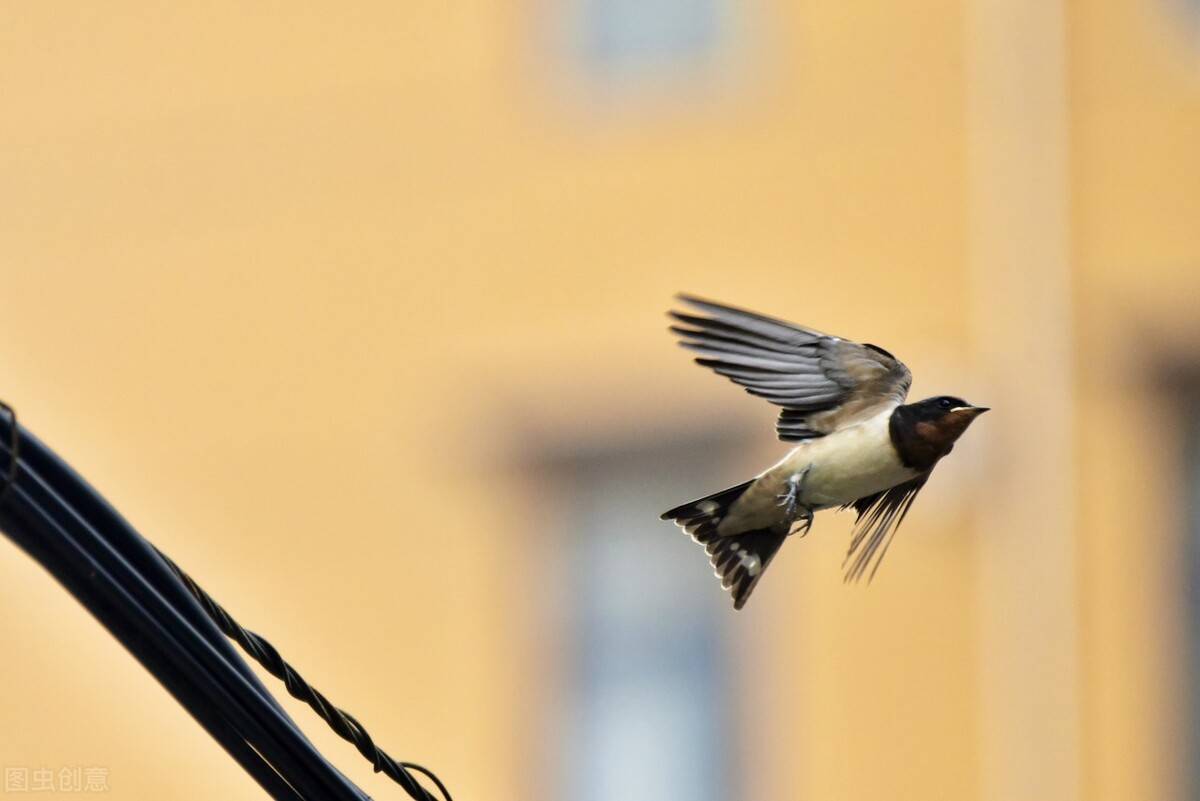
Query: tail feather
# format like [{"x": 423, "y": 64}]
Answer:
[{"x": 739, "y": 559}]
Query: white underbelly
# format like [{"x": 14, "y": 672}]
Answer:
[
  {"x": 846, "y": 465},
  {"x": 842, "y": 467}
]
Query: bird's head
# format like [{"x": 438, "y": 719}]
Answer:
[{"x": 943, "y": 419}]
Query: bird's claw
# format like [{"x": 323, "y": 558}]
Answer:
[{"x": 805, "y": 519}]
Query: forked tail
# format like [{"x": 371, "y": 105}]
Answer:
[{"x": 739, "y": 559}]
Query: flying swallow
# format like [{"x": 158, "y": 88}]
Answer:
[{"x": 858, "y": 444}]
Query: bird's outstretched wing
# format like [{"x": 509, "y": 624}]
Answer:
[
  {"x": 879, "y": 515},
  {"x": 822, "y": 382}
]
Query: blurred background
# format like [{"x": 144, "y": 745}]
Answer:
[{"x": 357, "y": 311}]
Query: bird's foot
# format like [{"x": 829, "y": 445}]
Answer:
[{"x": 790, "y": 501}]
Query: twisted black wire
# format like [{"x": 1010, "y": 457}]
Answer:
[{"x": 346, "y": 726}]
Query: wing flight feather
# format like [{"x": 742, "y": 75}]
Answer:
[
  {"x": 822, "y": 382},
  {"x": 879, "y": 515}
]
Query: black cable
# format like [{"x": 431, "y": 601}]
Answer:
[
  {"x": 14, "y": 450},
  {"x": 204, "y": 713},
  {"x": 181, "y": 658},
  {"x": 169, "y": 624},
  {"x": 342, "y": 722},
  {"x": 198, "y": 703},
  {"x": 89, "y": 505}
]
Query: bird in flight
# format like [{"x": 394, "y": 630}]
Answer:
[{"x": 857, "y": 442}]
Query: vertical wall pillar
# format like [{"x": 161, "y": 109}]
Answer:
[{"x": 1019, "y": 252}]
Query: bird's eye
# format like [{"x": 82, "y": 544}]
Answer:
[{"x": 945, "y": 403}]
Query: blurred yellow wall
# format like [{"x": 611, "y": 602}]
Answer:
[{"x": 301, "y": 288}]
